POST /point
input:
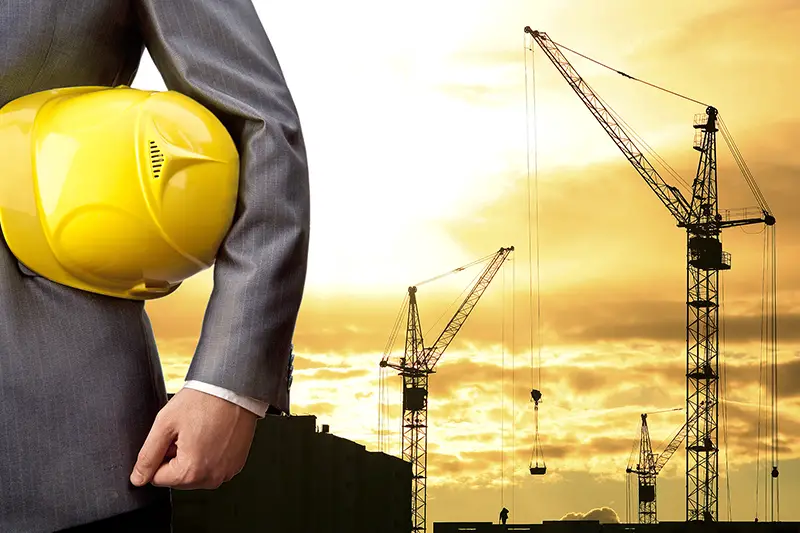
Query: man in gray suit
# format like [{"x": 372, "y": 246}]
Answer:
[{"x": 80, "y": 379}]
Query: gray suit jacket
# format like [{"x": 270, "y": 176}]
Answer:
[{"x": 80, "y": 378}]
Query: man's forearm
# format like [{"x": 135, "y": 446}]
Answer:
[{"x": 218, "y": 53}]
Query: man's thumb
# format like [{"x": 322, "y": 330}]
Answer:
[{"x": 152, "y": 454}]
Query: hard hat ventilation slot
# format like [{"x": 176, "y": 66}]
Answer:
[{"x": 156, "y": 159}]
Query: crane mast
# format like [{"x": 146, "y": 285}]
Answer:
[
  {"x": 704, "y": 259},
  {"x": 646, "y": 475},
  {"x": 416, "y": 366}
]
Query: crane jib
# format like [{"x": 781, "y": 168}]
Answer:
[{"x": 669, "y": 195}]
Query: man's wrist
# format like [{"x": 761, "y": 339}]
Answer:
[{"x": 253, "y": 405}]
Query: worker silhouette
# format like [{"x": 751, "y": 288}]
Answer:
[
  {"x": 503, "y": 515},
  {"x": 81, "y": 381}
]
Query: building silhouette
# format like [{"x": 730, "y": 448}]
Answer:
[{"x": 301, "y": 479}]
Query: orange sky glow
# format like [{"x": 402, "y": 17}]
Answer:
[{"x": 415, "y": 122}]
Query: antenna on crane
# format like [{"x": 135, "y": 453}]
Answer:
[{"x": 537, "y": 465}]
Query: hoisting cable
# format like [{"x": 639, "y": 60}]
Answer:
[
  {"x": 764, "y": 386},
  {"x": 775, "y": 364},
  {"x": 537, "y": 464},
  {"x": 381, "y": 400},
  {"x": 387, "y": 350},
  {"x": 503, "y": 398},
  {"x": 768, "y": 382},
  {"x": 513, "y": 379},
  {"x": 530, "y": 232},
  {"x": 724, "y": 383},
  {"x": 629, "y": 475},
  {"x": 383, "y": 403},
  {"x": 381, "y": 377},
  {"x": 627, "y": 498},
  {"x": 773, "y": 352}
]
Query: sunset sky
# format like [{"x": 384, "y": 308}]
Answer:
[{"x": 414, "y": 118}]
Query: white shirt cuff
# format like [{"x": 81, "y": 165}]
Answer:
[{"x": 256, "y": 407}]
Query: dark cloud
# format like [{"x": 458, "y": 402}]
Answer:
[
  {"x": 443, "y": 464},
  {"x": 788, "y": 377},
  {"x": 608, "y": 446},
  {"x": 658, "y": 321}
]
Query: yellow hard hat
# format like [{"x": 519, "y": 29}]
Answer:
[{"x": 116, "y": 191}]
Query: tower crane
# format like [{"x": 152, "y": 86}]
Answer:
[
  {"x": 648, "y": 468},
  {"x": 705, "y": 258},
  {"x": 416, "y": 365}
]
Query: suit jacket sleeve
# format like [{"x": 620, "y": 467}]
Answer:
[{"x": 219, "y": 54}]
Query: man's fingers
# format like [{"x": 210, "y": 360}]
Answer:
[
  {"x": 168, "y": 474},
  {"x": 179, "y": 474},
  {"x": 152, "y": 454}
]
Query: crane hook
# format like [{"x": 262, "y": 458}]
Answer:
[{"x": 536, "y": 396}]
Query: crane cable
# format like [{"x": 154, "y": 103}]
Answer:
[
  {"x": 724, "y": 394},
  {"x": 742, "y": 164},
  {"x": 536, "y": 452},
  {"x": 629, "y": 129},
  {"x": 383, "y": 387},
  {"x": 460, "y": 297},
  {"x": 513, "y": 380},
  {"x": 503, "y": 391},
  {"x": 631, "y": 77},
  {"x": 774, "y": 350},
  {"x": 456, "y": 270},
  {"x": 772, "y": 354},
  {"x": 632, "y": 461},
  {"x": 760, "y": 387},
  {"x": 768, "y": 384},
  {"x": 503, "y": 399},
  {"x": 768, "y": 359}
]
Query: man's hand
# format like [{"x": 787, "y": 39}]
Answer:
[{"x": 198, "y": 441}]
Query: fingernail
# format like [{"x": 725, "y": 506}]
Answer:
[{"x": 137, "y": 478}]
